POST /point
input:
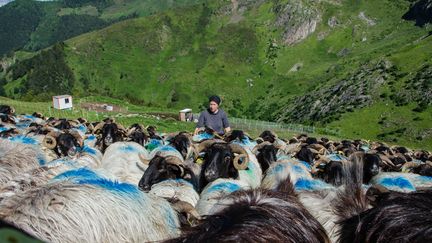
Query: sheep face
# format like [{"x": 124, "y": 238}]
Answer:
[
  {"x": 218, "y": 163},
  {"x": 268, "y": 136},
  {"x": 7, "y": 118},
  {"x": 63, "y": 125},
  {"x": 110, "y": 134},
  {"x": 266, "y": 156},
  {"x": 333, "y": 173},
  {"x": 306, "y": 155},
  {"x": 138, "y": 137},
  {"x": 181, "y": 142},
  {"x": 159, "y": 169},
  {"x": 371, "y": 167},
  {"x": 7, "y": 110},
  {"x": 67, "y": 145}
]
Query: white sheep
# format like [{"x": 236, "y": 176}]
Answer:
[
  {"x": 402, "y": 182},
  {"x": 91, "y": 210},
  {"x": 16, "y": 157},
  {"x": 125, "y": 161},
  {"x": 217, "y": 189}
]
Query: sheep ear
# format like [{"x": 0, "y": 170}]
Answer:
[{"x": 177, "y": 170}]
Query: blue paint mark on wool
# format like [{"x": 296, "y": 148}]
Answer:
[
  {"x": 202, "y": 136},
  {"x": 41, "y": 159},
  {"x": 24, "y": 140},
  {"x": 82, "y": 128},
  {"x": 91, "y": 137},
  {"x": 2, "y": 129},
  {"x": 85, "y": 176},
  {"x": 128, "y": 149},
  {"x": 399, "y": 182},
  {"x": 279, "y": 168},
  {"x": 79, "y": 174},
  {"x": 22, "y": 125},
  {"x": 225, "y": 186},
  {"x": 88, "y": 150},
  {"x": 29, "y": 117},
  {"x": 304, "y": 184},
  {"x": 112, "y": 186},
  {"x": 299, "y": 170},
  {"x": 167, "y": 148},
  {"x": 308, "y": 166},
  {"x": 336, "y": 157}
]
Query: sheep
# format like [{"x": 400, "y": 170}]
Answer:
[
  {"x": 169, "y": 178},
  {"x": 126, "y": 161},
  {"x": 395, "y": 217},
  {"x": 402, "y": 182},
  {"x": 89, "y": 210},
  {"x": 88, "y": 158},
  {"x": 136, "y": 133},
  {"x": 110, "y": 131},
  {"x": 241, "y": 138},
  {"x": 223, "y": 173},
  {"x": 17, "y": 157},
  {"x": 65, "y": 143},
  {"x": 257, "y": 216},
  {"x": 380, "y": 215}
]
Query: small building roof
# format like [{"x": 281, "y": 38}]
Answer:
[
  {"x": 61, "y": 96},
  {"x": 186, "y": 110}
]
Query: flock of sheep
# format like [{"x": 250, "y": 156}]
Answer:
[{"x": 76, "y": 181}]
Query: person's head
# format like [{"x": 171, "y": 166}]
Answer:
[{"x": 214, "y": 102}]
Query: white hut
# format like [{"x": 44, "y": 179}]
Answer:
[
  {"x": 62, "y": 102},
  {"x": 185, "y": 115}
]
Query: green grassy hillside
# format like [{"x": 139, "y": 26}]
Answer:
[
  {"x": 356, "y": 66},
  {"x": 33, "y": 25}
]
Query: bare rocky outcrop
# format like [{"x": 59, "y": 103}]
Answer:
[{"x": 297, "y": 19}]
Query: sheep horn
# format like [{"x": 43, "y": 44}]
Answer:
[
  {"x": 408, "y": 165},
  {"x": 50, "y": 141},
  {"x": 185, "y": 207},
  {"x": 235, "y": 148},
  {"x": 386, "y": 160},
  {"x": 173, "y": 160},
  {"x": 90, "y": 127},
  {"x": 205, "y": 145},
  {"x": 78, "y": 137},
  {"x": 259, "y": 140},
  {"x": 98, "y": 126},
  {"x": 321, "y": 160},
  {"x": 122, "y": 129},
  {"x": 260, "y": 146},
  {"x": 12, "y": 110},
  {"x": 74, "y": 122},
  {"x": 130, "y": 131}
]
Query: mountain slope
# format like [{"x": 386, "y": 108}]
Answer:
[
  {"x": 352, "y": 65},
  {"x": 33, "y": 25}
]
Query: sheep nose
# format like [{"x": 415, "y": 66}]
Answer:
[
  {"x": 144, "y": 188},
  {"x": 210, "y": 175}
]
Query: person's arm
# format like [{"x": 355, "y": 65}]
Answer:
[
  {"x": 227, "y": 129},
  {"x": 200, "y": 123},
  {"x": 225, "y": 123}
]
